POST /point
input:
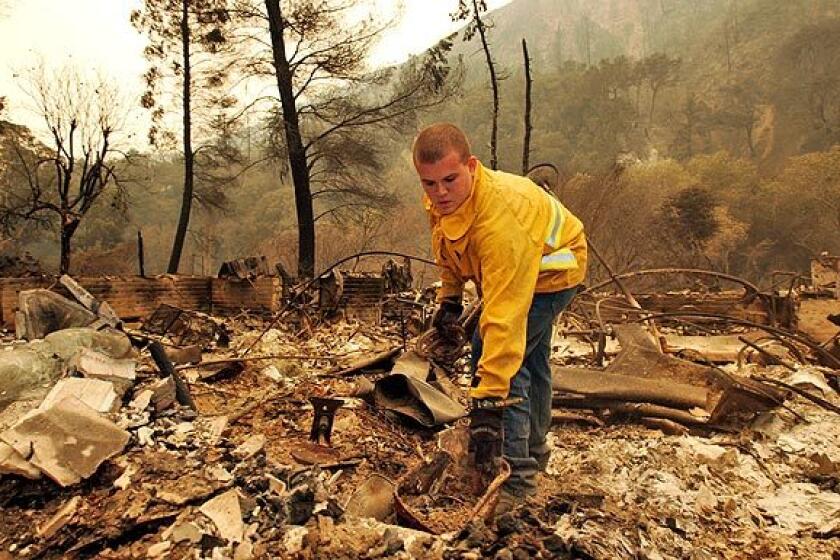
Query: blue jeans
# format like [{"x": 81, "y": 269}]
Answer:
[{"x": 526, "y": 424}]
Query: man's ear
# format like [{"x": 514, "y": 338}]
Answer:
[{"x": 472, "y": 164}]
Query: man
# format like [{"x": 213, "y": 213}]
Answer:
[{"x": 526, "y": 254}]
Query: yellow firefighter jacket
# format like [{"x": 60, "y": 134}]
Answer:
[{"x": 513, "y": 240}]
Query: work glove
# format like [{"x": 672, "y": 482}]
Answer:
[
  {"x": 446, "y": 316},
  {"x": 486, "y": 432}
]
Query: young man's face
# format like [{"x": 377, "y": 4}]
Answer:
[{"x": 448, "y": 181}]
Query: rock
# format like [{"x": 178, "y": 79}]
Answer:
[
  {"x": 326, "y": 526},
  {"x": 293, "y": 539},
  {"x": 144, "y": 436},
  {"x": 273, "y": 373},
  {"x": 504, "y": 554},
  {"x": 250, "y": 447},
  {"x": 67, "y": 441},
  {"x": 275, "y": 485},
  {"x": 163, "y": 393},
  {"x": 393, "y": 542},
  {"x": 374, "y": 498},
  {"x": 159, "y": 549},
  {"x": 184, "y": 354},
  {"x": 61, "y": 518},
  {"x": 554, "y": 544},
  {"x": 520, "y": 553},
  {"x": 98, "y": 395},
  {"x": 710, "y": 454},
  {"x": 184, "y": 532},
  {"x": 705, "y": 502},
  {"x": 243, "y": 551},
  {"x": 300, "y": 505},
  {"x": 141, "y": 400},
  {"x": 213, "y": 428},
  {"x": 96, "y": 365},
  {"x": 124, "y": 480},
  {"x": 217, "y": 472},
  {"x": 225, "y": 512}
]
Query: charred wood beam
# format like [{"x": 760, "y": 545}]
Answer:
[{"x": 182, "y": 391}]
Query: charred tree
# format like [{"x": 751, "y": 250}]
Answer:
[
  {"x": 180, "y": 31},
  {"x": 331, "y": 111},
  {"x": 472, "y": 13},
  {"x": 294, "y": 142},
  {"x": 189, "y": 155},
  {"x": 526, "y": 144},
  {"x": 54, "y": 185}
]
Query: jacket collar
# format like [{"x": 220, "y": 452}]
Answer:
[{"x": 454, "y": 226}]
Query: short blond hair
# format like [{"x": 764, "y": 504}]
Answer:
[{"x": 436, "y": 140}]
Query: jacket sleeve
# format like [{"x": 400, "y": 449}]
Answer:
[
  {"x": 510, "y": 264},
  {"x": 451, "y": 283}
]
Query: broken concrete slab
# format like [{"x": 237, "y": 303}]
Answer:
[
  {"x": 187, "y": 532},
  {"x": 142, "y": 399},
  {"x": 250, "y": 447},
  {"x": 104, "y": 312},
  {"x": 96, "y": 365},
  {"x": 61, "y": 518},
  {"x": 12, "y": 462},
  {"x": 26, "y": 372},
  {"x": 67, "y": 442},
  {"x": 158, "y": 550},
  {"x": 41, "y": 312},
  {"x": 66, "y": 342},
  {"x": 225, "y": 512},
  {"x": 97, "y": 394}
]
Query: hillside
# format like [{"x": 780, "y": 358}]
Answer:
[{"x": 737, "y": 77}]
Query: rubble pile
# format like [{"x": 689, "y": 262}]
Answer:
[{"x": 324, "y": 435}]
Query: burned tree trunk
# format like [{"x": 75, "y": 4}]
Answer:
[
  {"x": 526, "y": 144},
  {"x": 294, "y": 142},
  {"x": 68, "y": 228},
  {"x": 187, "y": 197},
  {"x": 494, "y": 83}
]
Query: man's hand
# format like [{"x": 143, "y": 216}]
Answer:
[
  {"x": 486, "y": 432},
  {"x": 446, "y": 315}
]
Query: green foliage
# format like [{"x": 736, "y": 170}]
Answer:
[{"x": 689, "y": 217}]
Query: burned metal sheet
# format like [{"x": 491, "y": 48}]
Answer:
[{"x": 417, "y": 400}]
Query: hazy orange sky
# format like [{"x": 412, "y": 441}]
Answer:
[{"x": 96, "y": 35}]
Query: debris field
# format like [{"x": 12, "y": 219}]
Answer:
[{"x": 322, "y": 420}]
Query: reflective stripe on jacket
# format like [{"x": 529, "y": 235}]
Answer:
[{"x": 512, "y": 239}]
